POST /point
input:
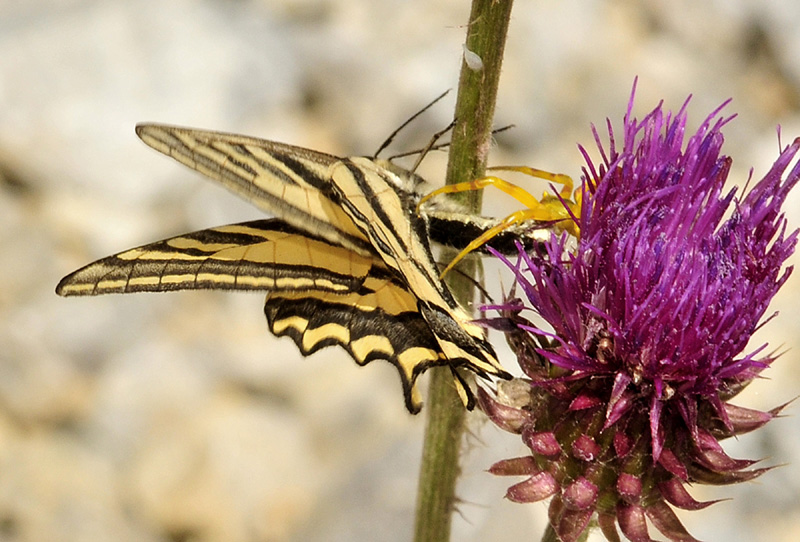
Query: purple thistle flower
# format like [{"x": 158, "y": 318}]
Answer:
[{"x": 628, "y": 388}]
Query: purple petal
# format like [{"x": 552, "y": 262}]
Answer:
[
  {"x": 629, "y": 487},
  {"x": 585, "y": 448},
  {"x": 744, "y": 420},
  {"x": 585, "y": 401},
  {"x": 620, "y": 401},
  {"x": 711, "y": 455},
  {"x": 655, "y": 433},
  {"x": 572, "y": 524},
  {"x": 568, "y": 524},
  {"x": 674, "y": 466},
  {"x": 622, "y": 444},
  {"x": 706, "y": 476}
]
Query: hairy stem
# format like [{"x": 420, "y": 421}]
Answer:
[{"x": 477, "y": 92}]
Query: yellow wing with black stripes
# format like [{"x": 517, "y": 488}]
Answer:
[{"x": 348, "y": 262}]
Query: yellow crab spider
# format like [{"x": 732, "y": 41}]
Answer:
[{"x": 550, "y": 208}]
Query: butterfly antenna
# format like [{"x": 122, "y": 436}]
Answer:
[
  {"x": 441, "y": 146},
  {"x": 437, "y": 147},
  {"x": 427, "y": 148},
  {"x": 406, "y": 123}
]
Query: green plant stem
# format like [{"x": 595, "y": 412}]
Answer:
[{"x": 477, "y": 92}]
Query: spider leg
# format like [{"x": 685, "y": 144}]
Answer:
[
  {"x": 516, "y": 192},
  {"x": 555, "y": 209},
  {"x": 559, "y": 178}
]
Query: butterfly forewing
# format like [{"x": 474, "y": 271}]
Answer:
[
  {"x": 294, "y": 183},
  {"x": 287, "y": 181}
]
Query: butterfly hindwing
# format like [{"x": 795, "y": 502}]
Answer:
[{"x": 365, "y": 324}]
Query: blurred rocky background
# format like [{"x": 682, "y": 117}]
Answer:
[{"x": 177, "y": 417}]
